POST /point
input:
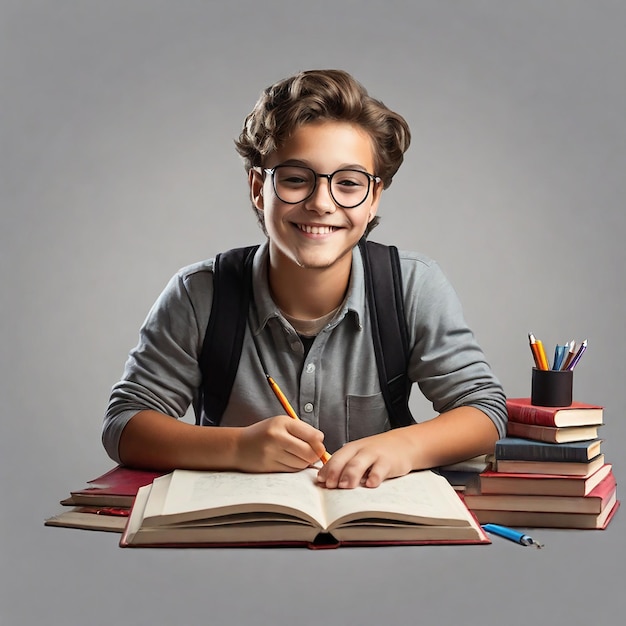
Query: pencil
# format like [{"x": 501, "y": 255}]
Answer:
[
  {"x": 581, "y": 350},
  {"x": 533, "y": 348},
  {"x": 570, "y": 355},
  {"x": 539, "y": 353},
  {"x": 288, "y": 408},
  {"x": 542, "y": 355}
]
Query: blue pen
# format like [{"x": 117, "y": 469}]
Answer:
[
  {"x": 559, "y": 355},
  {"x": 512, "y": 535}
]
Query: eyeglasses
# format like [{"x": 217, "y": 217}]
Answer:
[{"x": 295, "y": 183}]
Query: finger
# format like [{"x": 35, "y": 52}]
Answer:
[
  {"x": 287, "y": 462},
  {"x": 311, "y": 438},
  {"x": 346, "y": 469},
  {"x": 365, "y": 469},
  {"x": 288, "y": 453},
  {"x": 376, "y": 474},
  {"x": 354, "y": 474},
  {"x": 270, "y": 446},
  {"x": 330, "y": 473}
]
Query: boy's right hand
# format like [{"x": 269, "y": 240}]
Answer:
[{"x": 279, "y": 444}]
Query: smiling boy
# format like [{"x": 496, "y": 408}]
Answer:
[{"x": 319, "y": 151}]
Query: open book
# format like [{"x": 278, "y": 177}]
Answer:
[{"x": 233, "y": 508}]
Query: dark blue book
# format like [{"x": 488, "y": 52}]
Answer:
[{"x": 518, "y": 449}]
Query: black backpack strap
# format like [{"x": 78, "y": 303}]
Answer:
[
  {"x": 223, "y": 341},
  {"x": 383, "y": 289}
]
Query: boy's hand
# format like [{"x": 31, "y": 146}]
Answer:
[
  {"x": 279, "y": 444},
  {"x": 368, "y": 461}
]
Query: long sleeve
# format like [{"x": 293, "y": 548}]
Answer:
[
  {"x": 162, "y": 372},
  {"x": 446, "y": 361}
]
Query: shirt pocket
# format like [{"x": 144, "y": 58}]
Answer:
[{"x": 367, "y": 415}]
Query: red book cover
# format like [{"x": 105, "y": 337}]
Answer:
[
  {"x": 593, "y": 503},
  {"x": 117, "y": 487},
  {"x": 541, "y": 484},
  {"x": 551, "y": 434},
  {"x": 576, "y": 414},
  {"x": 533, "y": 519}
]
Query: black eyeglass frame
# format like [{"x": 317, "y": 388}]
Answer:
[{"x": 371, "y": 178}]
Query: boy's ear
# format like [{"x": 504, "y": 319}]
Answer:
[
  {"x": 255, "y": 180},
  {"x": 376, "y": 194}
]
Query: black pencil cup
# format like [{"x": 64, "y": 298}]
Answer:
[{"x": 552, "y": 387}]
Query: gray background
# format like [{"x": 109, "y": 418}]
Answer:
[{"x": 117, "y": 167}]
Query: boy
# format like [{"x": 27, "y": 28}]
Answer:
[{"x": 318, "y": 151}]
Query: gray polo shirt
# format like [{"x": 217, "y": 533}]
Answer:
[{"x": 334, "y": 386}]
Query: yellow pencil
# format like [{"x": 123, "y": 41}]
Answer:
[
  {"x": 542, "y": 355},
  {"x": 288, "y": 408}
]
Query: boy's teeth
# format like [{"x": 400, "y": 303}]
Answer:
[{"x": 316, "y": 230}]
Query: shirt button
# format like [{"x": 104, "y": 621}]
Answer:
[
  {"x": 310, "y": 368},
  {"x": 308, "y": 408},
  {"x": 295, "y": 346}
]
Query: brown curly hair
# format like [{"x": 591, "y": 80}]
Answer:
[{"x": 316, "y": 95}]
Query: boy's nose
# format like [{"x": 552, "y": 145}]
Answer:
[{"x": 321, "y": 200}]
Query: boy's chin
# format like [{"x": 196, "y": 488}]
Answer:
[{"x": 320, "y": 259}]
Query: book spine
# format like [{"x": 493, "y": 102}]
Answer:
[
  {"x": 538, "y": 416},
  {"x": 530, "y": 452},
  {"x": 533, "y": 432}
]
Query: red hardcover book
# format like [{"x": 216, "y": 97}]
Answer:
[
  {"x": 533, "y": 519},
  {"x": 209, "y": 509},
  {"x": 551, "y": 434},
  {"x": 592, "y": 503},
  {"x": 541, "y": 484},
  {"x": 576, "y": 414},
  {"x": 117, "y": 487}
]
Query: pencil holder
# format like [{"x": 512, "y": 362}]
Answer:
[{"x": 552, "y": 387}]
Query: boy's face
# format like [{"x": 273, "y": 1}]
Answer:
[{"x": 317, "y": 233}]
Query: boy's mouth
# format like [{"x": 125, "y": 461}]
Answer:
[{"x": 316, "y": 230}]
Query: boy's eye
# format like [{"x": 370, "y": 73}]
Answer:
[
  {"x": 294, "y": 177},
  {"x": 293, "y": 180},
  {"x": 346, "y": 180}
]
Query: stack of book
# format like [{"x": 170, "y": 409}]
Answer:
[
  {"x": 549, "y": 471},
  {"x": 211, "y": 508},
  {"x": 105, "y": 502}
]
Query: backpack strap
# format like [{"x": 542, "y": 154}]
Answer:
[
  {"x": 383, "y": 290},
  {"x": 223, "y": 341}
]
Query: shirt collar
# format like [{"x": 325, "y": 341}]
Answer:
[{"x": 266, "y": 307}]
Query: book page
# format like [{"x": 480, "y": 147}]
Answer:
[
  {"x": 153, "y": 506},
  {"x": 420, "y": 497},
  {"x": 194, "y": 494},
  {"x": 136, "y": 514}
]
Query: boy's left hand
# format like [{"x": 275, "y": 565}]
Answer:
[{"x": 368, "y": 461}]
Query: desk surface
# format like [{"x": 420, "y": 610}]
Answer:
[{"x": 74, "y": 577}]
